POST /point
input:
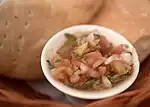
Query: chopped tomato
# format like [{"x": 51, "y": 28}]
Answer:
[
  {"x": 102, "y": 70},
  {"x": 76, "y": 62},
  {"x": 74, "y": 79},
  {"x": 104, "y": 44},
  {"x": 118, "y": 49},
  {"x": 93, "y": 54},
  {"x": 98, "y": 62},
  {"x": 91, "y": 57}
]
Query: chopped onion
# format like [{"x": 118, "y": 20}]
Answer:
[
  {"x": 91, "y": 39},
  {"x": 127, "y": 57},
  {"x": 112, "y": 58},
  {"x": 81, "y": 49},
  {"x": 106, "y": 82},
  {"x": 83, "y": 68}
]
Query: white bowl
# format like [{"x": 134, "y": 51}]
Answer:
[{"x": 57, "y": 41}]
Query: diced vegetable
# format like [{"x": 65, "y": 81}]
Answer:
[
  {"x": 84, "y": 69},
  {"x": 97, "y": 86},
  {"x": 96, "y": 54},
  {"x": 78, "y": 72},
  {"x": 70, "y": 36},
  {"x": 91, "y": 57},
  {"x": 88, "y": 84},
  {"x": 61, "y": 77},
  {"x": 50, "y": 65},
  {"x": 76, "y": 62},
  {"x": 57, "y": 60},
  {"x": 68, "y": 46},
  {"x": 58, "y": 74},
  {"x": 93, "y": 73},
  {"x": 118, "y": 49},
  {"x": 102, "y": 70},
  {"x": 90, "y": 62},
  {"x": 120, "y": 67},
  {"x": 69, "y": 71},
  {"x": 74, "y": 79},
  {"x": 106, "y": 82},
  {"x": 104, "y": 44},
  {"x": 117, "y": 78},
  {"x": 112, "y": 58},
  {"x": 69, "y": 84},
  {"x": 98, "y": 62},
  {"x": 81, "y": 49},
  {"x": 92, "y": 39},
  {"x": 127, "y": 57},
  {"x": 66, "y": 62}
]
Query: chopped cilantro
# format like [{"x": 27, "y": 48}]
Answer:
[
  {"x": 57, "y": 60},
  {"x": 70, "y": 85},
  {"x": 88, "y": 83}
]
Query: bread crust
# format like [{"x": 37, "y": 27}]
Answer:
[{"x": 26, "y": 25}]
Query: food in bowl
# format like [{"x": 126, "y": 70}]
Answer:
[{"x": 91, "y": 62}]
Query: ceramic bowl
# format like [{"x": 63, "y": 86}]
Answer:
[{"x": 57, "y": 40}]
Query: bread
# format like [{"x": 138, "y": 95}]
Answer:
[
  {"x": 142, "y": 46},
  {"x": 26, "y": 25},
  {"x": 128, "y": 17}
]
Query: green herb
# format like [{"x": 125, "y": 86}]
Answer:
[
  {"x": 70, "y": 36},
  {"x": 91, "y": 78},
  {"x": 88, "y": 83},
  {"x": 110, "y": 75},
  {"x": 50, "y": 65},
  {"x": 118, "y": 78},
  {"x": 70, "y": 85},
  {"x": 57, "y": 60}
]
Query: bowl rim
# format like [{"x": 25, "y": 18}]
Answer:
[{"x": 82, "y": 94}]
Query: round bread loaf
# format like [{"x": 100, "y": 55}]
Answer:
[{"x": 26, "y": 25}]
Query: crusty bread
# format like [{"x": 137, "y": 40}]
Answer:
[
  {"x": 129, "y": 17},
  {"x": 26, "y": 25}
]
